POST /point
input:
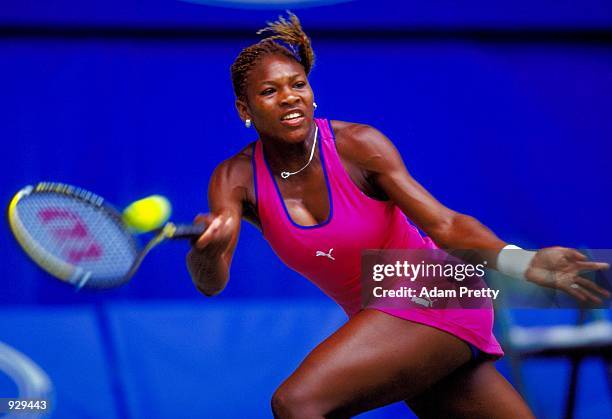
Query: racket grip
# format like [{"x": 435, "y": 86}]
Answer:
[{"x": 189, "y": 231}]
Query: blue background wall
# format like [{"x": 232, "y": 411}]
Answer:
[{"x": 501, "y": 112}]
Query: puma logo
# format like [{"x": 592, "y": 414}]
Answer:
[
  {"x": 427, "y": 302},
  {"x": 328, "y": 254}
]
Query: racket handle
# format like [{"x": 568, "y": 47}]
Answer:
[{"x": 188, "y": 231}]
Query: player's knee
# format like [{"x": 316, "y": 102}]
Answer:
[{"x": 290, "y": 401}]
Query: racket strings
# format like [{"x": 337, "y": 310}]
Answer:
[{"x": 76, "y": 232}]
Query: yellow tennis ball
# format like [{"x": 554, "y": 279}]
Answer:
[{"x": 147, "y": 214}]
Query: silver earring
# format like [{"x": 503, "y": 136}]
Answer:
[
  {"x": 247, "y": 123},
  {"x": 314, "y": 105}
]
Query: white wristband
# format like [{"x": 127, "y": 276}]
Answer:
[{"x": 514, "y": 261}]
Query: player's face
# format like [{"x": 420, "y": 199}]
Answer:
[{"x": 279, "y": 99}]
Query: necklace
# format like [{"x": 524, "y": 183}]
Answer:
[{"x": 285, "y": 175}]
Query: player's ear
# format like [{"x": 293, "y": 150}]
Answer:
[{"x": 243, "y": 110}]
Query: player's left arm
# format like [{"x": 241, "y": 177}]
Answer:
[{"x": 553, "y": 267}]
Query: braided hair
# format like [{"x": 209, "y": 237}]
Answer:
[{"x": 288, "y": 39}]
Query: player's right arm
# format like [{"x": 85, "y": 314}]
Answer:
[{"x": 210, "y": 257}]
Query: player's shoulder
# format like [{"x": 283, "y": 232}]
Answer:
[
  {"x": 350, "y": 128},
  {"x": 237, "y": 169},
  {"x": 358, "y": 142},
  {"x": 356, "y": 134}
]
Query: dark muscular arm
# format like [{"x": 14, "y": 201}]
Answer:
[
  {"x": 554, "y": 267},
  {"x": 209, "y": 259}
]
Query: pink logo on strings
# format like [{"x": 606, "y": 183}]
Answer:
[{"x": 67, "y": 226}]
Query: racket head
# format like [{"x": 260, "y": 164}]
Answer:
[{"x": 73, "y": 235}]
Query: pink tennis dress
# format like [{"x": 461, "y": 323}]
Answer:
[{"x": 329, "y": 253}]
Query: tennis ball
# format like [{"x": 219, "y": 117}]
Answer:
[{"x": 147, "y": 214}]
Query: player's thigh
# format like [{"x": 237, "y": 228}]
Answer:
[
  {"x": 476, "y": 390},
  {"x": 373, "y": 360}
]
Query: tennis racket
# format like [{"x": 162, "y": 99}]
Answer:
[{"x": 77, "y": 237}]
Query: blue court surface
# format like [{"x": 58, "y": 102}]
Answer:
[{"x": 196, "y": 359}]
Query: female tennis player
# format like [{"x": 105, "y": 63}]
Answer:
[{"x": 322, "y": 191}]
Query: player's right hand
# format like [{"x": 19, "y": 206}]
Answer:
[{"x": 217, "y": 237}]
